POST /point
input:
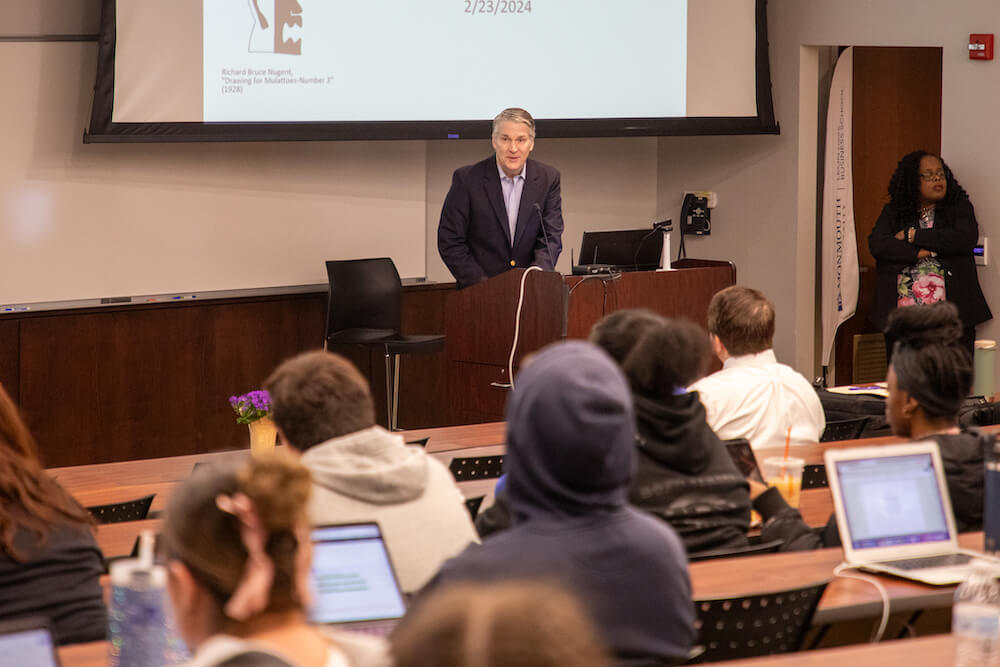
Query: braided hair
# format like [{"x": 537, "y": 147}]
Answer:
[
  {"x": 904, "y": 188},
  {"x": 930, "y": 362}
]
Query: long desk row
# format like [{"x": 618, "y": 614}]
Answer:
[
  {"x": 845, "y": 599},
  {"x": 937, "y": 650}
]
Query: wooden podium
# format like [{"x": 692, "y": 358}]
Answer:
[{"x": 480, "y": 321}]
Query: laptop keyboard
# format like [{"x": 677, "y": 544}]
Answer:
[
  {"x": 376, "y": 628},
  {"x": 944, "y": 560}
]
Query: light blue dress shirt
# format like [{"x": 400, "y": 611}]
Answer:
[{"x": 512, "y": 188}]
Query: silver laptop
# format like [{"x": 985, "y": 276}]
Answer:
[
  {"x": 894, "y": 513},
  {"x": 28, "y": 641},
  {"x": 353, "y": 582}
]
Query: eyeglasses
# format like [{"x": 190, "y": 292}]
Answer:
[
  {"x": 520, "y": 142},
  {"x": 932, "y": 175}
]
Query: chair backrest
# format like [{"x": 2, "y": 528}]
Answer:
[
  {"x": 752, "y": 549},
  {"x": 870, "y": 363},
  {"x": 130, "y": 510},
  {"x": 363, "y": 294},
  {"x": 764, "y": 624},
  {"x": 473, "y": 505},
  {"x": 845, "y": 429},
  {"x": 814, "y": 476}
]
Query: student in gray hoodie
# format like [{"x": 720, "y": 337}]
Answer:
[{"x": 323, "y": 408}]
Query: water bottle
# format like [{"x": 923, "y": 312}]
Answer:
[
  {"x": 140, "y": 623},
  {"x": 991, "y": 497},
  {"x": 975, "y": 618}
]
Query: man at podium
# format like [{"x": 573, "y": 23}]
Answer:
[{"x": 503, "y": 212}]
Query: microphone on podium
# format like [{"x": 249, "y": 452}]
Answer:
[{"x": 545, "y": 235}]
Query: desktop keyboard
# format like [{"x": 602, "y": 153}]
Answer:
[{"x": 944, "y": 560}]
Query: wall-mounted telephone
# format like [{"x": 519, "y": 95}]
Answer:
[{"x": 696, "y": 217}]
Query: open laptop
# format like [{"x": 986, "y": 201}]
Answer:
[
  {"x": 353, "y": 582},
  {"x": 623, "y": 250},
  {"x": 28, "y": 641},
  {"x": 894, "y": 513}
]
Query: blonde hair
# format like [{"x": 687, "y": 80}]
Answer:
[
  {"x": 514, "y": 115},
  {"x": 207, "y": 539},
  {"x": 529, "y": 624}
]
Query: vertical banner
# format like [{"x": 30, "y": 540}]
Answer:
[{"x": 839, "y": 277}]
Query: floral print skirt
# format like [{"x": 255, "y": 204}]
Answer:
[{"x": 921, "y": 283}]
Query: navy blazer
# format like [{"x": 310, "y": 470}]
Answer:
[
  {"x": 953, "y": 237},
  {"x": 474, "y": 236}
]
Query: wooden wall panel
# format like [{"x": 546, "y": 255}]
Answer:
[
  {"x": 10, "y": 331},
  {"x": 145, "y": 382},
  {"x": 897, "y": 109}
]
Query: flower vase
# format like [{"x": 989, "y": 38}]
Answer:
[{"x": 263, "y": 434}]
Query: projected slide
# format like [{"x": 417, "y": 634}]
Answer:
[{"x": 398, "y": 60}]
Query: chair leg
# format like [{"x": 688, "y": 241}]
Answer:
[
  {"x": 388, "y": 390},
  {"x": 395, "y": 392}
]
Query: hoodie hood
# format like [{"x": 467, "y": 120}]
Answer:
[
  {"x": 673, "y": 431},
  {"x": 570, "y": 434},
  {"x": 373, "y": 466}
]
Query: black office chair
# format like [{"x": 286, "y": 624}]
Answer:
[
  {"x": 130, "y": 510},
  {"x": 754, "y": 625},
  {"x": 755, "y": 547},
  {"x": 473, "y": 505},
  {"x": 363, "y": 308},
  {"x": 845, "y": 429}
]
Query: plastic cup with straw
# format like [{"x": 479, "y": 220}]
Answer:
[{"x": 785, "y": 472}]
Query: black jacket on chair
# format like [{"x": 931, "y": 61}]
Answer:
[
  {"x": 953, "y": 237},
  {"x": 474, "y": 236}
]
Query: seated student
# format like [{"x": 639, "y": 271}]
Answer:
[
  {"x": 517, "y": 623},
  {"x": 238, "y": 551},
  {"x": 50, "y": 564},
  {"x": 323, "y": 408},
  {"x": 686, "y": 476},
  {"x": 569, "y": 462},
  {"x": 753, "y": 396},
  {"x": 929, "y": 378}
]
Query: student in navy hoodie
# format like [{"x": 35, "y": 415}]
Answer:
[{"x": 570, "y": 459}]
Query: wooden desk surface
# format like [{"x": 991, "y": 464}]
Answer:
[
  {"x": 844, "y": 599},
  {"x": 936, "y": 650},
  {"x": 111, "y": 482},
  {"x": 117, "y": 539}
]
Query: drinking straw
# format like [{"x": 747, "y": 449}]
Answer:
[{"x": 788, "y": 444}]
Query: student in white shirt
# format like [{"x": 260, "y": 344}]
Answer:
[{"x": 754, "y": 396}]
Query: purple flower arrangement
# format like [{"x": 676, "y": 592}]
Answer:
[{"x": 251, "y": 406}]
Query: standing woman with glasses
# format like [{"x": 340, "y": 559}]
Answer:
[{"x": 922, "y": 244}]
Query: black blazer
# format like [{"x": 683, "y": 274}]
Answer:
[
  {"x": 953, "y": 237},
  {"x": 473, "y": 235}
]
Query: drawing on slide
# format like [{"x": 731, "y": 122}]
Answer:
[{"x": 277, "y": 25}]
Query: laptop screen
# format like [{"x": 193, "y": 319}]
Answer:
[
  {"x": 27, "y": 645},
  {"x": 892, "y": 500},
  {"x": 352, "y": 578},
  {"x": 626, "y": 249}
]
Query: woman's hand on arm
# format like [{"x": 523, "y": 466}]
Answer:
[
  {"x": 957, "y": 239},
  {"x": 889, "y": 246}
]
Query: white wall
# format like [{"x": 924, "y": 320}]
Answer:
[{"x": 758, "y": 224}]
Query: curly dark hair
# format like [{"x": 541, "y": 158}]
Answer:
[
  {"x": 929, "y": 360},
  {"x": 904, "y": 188},
  {"x": 657, "y": 354}
]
